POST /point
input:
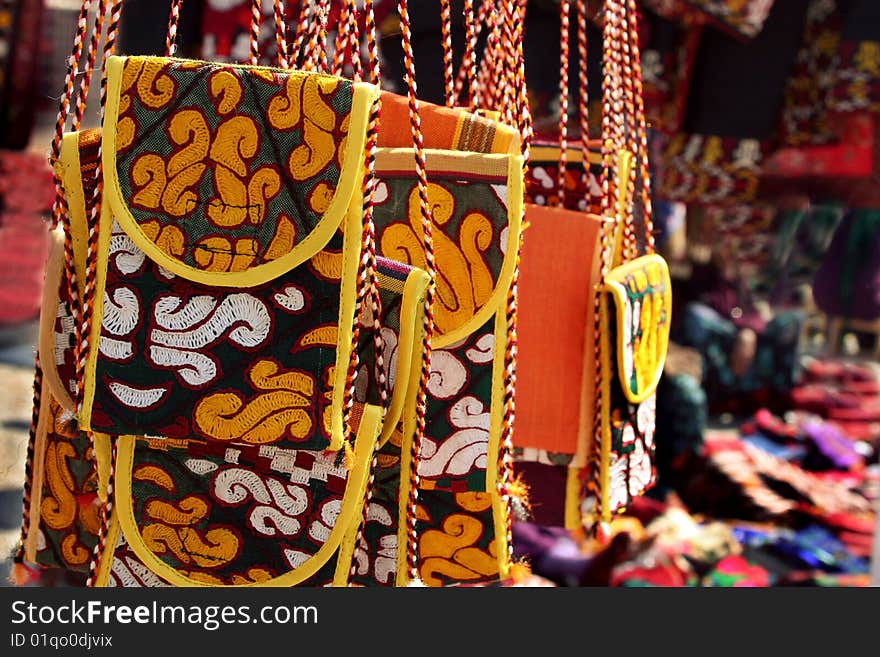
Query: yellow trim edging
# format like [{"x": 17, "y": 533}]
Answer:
[
  {"x": 352, "y": 505},
  {"x": 349, "y": 181},
  {"x": 440, "y": 161},
  {"x": 70, "y": 171},
  {"x": 618, "y": 291},
  {"x": 496, "y": 427},
  {"x": 409, "y": 347}
]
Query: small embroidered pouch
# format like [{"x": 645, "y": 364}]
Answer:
[{"x": 635, "y": 311}]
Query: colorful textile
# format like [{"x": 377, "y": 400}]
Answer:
[
  {"x": 21, "y": 26},
  {"x": 198, "y": 202},
  {"x": 635, "y": 312},
  {"x": 744, "y": 17},
  {"x": 476, "y": 202}
]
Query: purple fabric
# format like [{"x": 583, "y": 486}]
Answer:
[{"x": 833, "y": 444}]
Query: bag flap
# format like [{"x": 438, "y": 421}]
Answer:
[
  {"x": 558, "y": 275},
  {"x": 230, "y": 175},
  {"x": 642, "y": 293},
  {"x": 476, "y": 202},
  {"x": 234, "y": 515}
]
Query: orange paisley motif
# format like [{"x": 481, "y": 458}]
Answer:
[
  {"x": 253, "y": 575},
  {"x": 236, "y": 140},
  {"x": 169, "y": 239},
  {"x": 314, "y": 154},
  {"x": 280, "y": 411},
  {"x": 179, "y": 198},
  {"x": 284, "y": 108},
  {"x": 155, "y": 88},
  {"x": 73, "y": 551},
  {"x": 222, "y": 254},
  {"x": 226, "y": 90},
  {"x": 155, "y": 475},
  {"x": 284, "y": 239},
  {"x": 452, "y": 553},
  {"x": 464, "y": 282},
  {"x": 319, "y": 198},
  {"x": 231, "y": 209},
  {"x": 125, "y": 130},
  {"x": 327, "y": 264},
  {"x": 58, "y": 508},
  {"x": 172, "y": 528},
  {"x": 148, "y": 175},
  {"x": 262, "y": 188}
]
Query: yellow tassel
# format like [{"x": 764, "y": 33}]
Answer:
[
  {"x": 520, "y": 571},
  {"x": 520, "y": 490},
  {"x": 349, "y": 457}
]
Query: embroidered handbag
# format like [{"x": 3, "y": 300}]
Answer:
[
  {"x": 64, "y": 493},
  {"x": 451, "y": 514},
  {"x": 206, "y": 287},
  {"x": 565, "y": 394}
]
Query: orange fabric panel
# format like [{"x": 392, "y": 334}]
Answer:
[
  {"x": 439, "y": 123},
  {"x": 555, "y": 358}
]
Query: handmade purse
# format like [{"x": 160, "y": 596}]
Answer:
[
  {"x": 64, "y": 493},
  {"x": 568, "y": 401},
  {"x": 451, "y": 513},
  {"x": 228, "y": 292}
]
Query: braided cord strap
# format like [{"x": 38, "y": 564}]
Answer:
[
  {"x": 348, "y": 41},
  {"x": 29, "y": 459},
  {"x": 431, "y": 268},
  {"x": 564, "y": 28},
  {"x": 303, "y": 25},
  {"x": 256, "y": 23},
  {"x": 446, "y": 42},
  {"x": 486, "y": 15},
  {"x": 82, "y": 351},
  {"x": 173, "y": 22},
  {"x": 610, "y": 142},
  {"x": 486, "y": 89},
  {"x": 630, "y": 248},
  {"x": 641, "y": 126},
  {"x": 514, "y": 15},
  {"x": 584, "y": 104},
  {"x": 316, "y": 54},
  {"x": 59, "y": 206},
  {"x": 369, "y": 254},
  {"x": 470, "y": 53},
  {"x": 91, "y": 55},
  {"x": 281, "y": 35}
]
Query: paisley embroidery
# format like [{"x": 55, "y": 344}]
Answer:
[
  {"x": 279, "y": 412},
  {"x": 452, "y": 552},
  {"x": 69, "y": 509},
  {"x": 173, "y": 529},
  {"x": 210, "y": 165},
  {"x": 185, "y": 328},
  {"x": 279, "y": 503},
  {"x": 448, "y": 375},
  {"x": 464, "y": 450},
  {"x": 469, "y": 215},
  {"x": 138, "y": 398}
]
